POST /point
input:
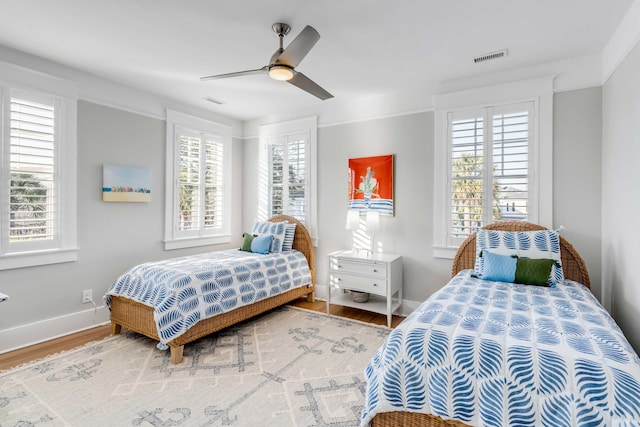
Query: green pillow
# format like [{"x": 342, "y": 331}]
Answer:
[
  {"x": 247, "y": 238},
  {"x": 532, "y": 271}
]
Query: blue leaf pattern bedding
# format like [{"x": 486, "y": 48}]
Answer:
[
  {"x": 496, "y": 354},
  {"x": 185, "y": 290}
]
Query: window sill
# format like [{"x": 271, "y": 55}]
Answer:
[
  {"x": 446, "y": 252},
  {"x": 36, "y": 258},
  {"x": 195, "y": 242}
]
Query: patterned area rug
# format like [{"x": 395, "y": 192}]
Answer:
[{"x": 289, "y": 367}]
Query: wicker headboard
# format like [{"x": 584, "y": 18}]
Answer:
[
  {"x": 301, "y": 242},
  {"x": 573, "y": 265}
]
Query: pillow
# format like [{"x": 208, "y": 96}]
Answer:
[
  {"x": 275, "y": 229},
  {"x": 499, "y": 268},
  {"x": 247, "y": 238},
  {"x": 525, "y": 244},
  {"x": 261, "y": 244},
  {"x": 289, "y": 233},
  {"x": 530, "y": 271}
]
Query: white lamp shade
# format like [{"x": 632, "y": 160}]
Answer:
[
  {"x": 373, "y": 221},
  {"x": 353, "y": 219}
]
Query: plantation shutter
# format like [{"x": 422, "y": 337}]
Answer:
[
  {"x": 33, "y": 197},
  {"x": 189, "y": 183},
  {"x": 467, "y": 173},
  {"x": 214, "y": 184},
  {"x": 297, "y": 159},
  {"x": 489, "y": 171},
  {"x": 277, "y": 194},
  {"x": 511, "y": 163},
  {"x": 200, "y": 183},
  {"x": 288, "y": 180}
]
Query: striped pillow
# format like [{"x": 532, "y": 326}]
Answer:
[{"x": 289, "y": 233}]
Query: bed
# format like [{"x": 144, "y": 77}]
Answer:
[
  {"x": 454, "y": 363},
  {"x": 139, "y": 317}
]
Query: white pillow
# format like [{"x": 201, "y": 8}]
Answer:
[
  {"x": 276, "y": 229},
  {"x": 525, "y": 244}
]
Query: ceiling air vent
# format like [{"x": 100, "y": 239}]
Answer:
[
  {"x": 213, "y": 100},
  {"x": 490, "y": 56}
]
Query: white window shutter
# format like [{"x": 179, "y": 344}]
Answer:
[
  {"x": 33, "y": 172},
  {"x": 489, "y": 170}
]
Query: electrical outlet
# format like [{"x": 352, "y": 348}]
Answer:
[{"x": 87, "y": 296}]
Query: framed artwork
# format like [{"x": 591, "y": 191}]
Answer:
[
  {"x": 371, "y": 184},
  {"x": 125, "y": 184}
]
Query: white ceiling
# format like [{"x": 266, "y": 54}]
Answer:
[{"x": 367, "y": 47}]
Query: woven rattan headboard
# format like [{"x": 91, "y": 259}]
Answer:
[{"x": 573, "y": 265}]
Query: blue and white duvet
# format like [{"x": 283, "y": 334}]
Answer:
[
  {"x": 185, "y": 290},
  {"x": 497, "y": 354}
]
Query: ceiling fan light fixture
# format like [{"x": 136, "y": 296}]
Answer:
[{"x": 280, "y": 72}]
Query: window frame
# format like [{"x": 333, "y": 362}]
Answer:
[
  {"x": 177, "y": 124},
  {"x": 64, "y": 96},
  {"x": 274, "y": 133},
  {"x": 540, "y": 205}
]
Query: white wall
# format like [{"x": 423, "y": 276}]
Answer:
[
  {"x": 620, "y": 195},
  {"x": 577, "y": 195}
]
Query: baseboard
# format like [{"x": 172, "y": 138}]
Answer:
[{"x": 45, "y": 330}]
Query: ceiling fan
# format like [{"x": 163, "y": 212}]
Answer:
[{"x": 284, "y": 61}]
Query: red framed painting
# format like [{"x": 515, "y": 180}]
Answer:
[{"x": 371, "y": 184}]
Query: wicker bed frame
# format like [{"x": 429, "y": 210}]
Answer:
[
  {"x": 573, "y": 267},
  {"x": 139, "y": 317}
]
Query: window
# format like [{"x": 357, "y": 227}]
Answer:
[
  {"x": 489, "y": 162},
  {"x": 198, "y": 182},
  {"x": 287, "y": 157},
  {"x": 489, "y": 173},
  {"x": 38, "y": 218},
  {"x": 287, "y": 178}
]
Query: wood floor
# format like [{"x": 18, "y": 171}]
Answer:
[{"x": 38, "y": 351}]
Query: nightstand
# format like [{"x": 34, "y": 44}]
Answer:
[{"x": 378, "y": 274}]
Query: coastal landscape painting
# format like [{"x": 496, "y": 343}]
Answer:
[{"x": 125, "y": 184}]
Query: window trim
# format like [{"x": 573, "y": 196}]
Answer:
[
  {"x": 308, "y": 126},
  {"x": 540, "y": 92},
  {"x": 15, "y": 78},
  {"x": 175, "y": 121}
]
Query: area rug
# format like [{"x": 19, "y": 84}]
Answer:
[{"x": 288, "y": 367}]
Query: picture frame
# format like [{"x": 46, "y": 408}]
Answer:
[
  {"x": 126, "y": 184},
  {"x": 371, "y": 184}
]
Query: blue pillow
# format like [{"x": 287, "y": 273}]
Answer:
[
  {"x": 499, "y": 268},
  {"x": 261, "y": 244}
]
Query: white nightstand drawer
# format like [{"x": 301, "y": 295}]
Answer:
[
  {"x": 373, "y": 268},
  {"x": 359, "y": 283}
]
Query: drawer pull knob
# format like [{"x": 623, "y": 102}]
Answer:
[
  {"x": 375, "y": 284},
  {"x": 375, "y": 270}
]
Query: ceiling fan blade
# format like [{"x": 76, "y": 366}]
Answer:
[
  {"x": 306, "y": 84},
  {"x": 237, "y": 74},
  {"x": 299, "y": 47}
]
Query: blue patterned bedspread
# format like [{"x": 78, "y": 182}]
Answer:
[
  {"x": 497, "y": 354},
  {"x": 186, "y": 290}
]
